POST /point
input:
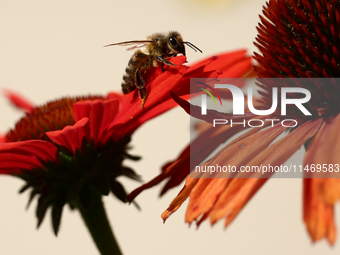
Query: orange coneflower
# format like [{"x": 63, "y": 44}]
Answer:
[{"x": 297, "y": 39}]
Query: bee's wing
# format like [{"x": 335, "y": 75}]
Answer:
[{"x": 136, "y": 44}]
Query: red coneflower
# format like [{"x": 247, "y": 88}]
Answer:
[
  {"x": 71, "y": 150},
  {"x": 233, "y": 64},
  {"x": 297, "y": 39}
]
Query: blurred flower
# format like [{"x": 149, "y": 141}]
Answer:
[
  {"x": 71, "y": 150},
  {"x": 67, "y": 146},
  {"x": 297, "y": 39}
]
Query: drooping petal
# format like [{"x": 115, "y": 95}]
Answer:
[
  {"x": 179, "y": 169},
  {"x": 320, "y": 194},
  {"x": 166, "y": 173},
  {"x": 317, "y": 214},
  {"x": 324, "y": 151},
  {"x": 11, "y": 163},
  {"x": 205, "y": 194},
  {"x": 210, "y": 138},
  {"x": 199, "y": 178},
  {"x": 71, "y": 137},
  {"x": 240, "y": 191},
  {"x": 25, "y": 155},
  {"x": 219, "y": 198},
  {"x": 190, "y": 183}
]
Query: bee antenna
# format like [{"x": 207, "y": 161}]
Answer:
[{"x": 192, "y": 46}]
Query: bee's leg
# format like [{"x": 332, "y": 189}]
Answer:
[
  {"x": 139, "y": 82},
  {"x": 140, "y": 85},
  {"x": 164, "y": 61},
  {"x": 142, "y": 95}
]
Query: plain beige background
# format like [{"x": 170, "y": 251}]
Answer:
[{"x": 50, "y": 49}]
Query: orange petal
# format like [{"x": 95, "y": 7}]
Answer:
[
  {"x": 207, "y": 191},
  {"x": 204, "y": 196},
  {"x": 166, "y": 173},
  {"x": 324, "y": 151},
  {"x": 181, "y": 197},
  {"x": 321, "y": 194},
  {"x": 240, "y": 191},
  {"x": 241, "y": 151},
  {"x": 234, "y": 198},
  {"x": 318, "y": 215}
]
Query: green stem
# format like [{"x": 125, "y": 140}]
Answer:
[{"x": 97, "y": 223}]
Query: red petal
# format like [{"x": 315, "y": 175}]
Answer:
[
  {"x": 100, "y": 114},
  {"x": 222, "y": 61},
  {"x": 25, "y": 155},
  {"x": 227, "y": 65},
  {"x": 120, "y": 96},
  {"x": 195, "y": 111},
  {"x": 71, "y": 137},
  {"x": 3, "y": 138},
  {"x": 237, "y": 69},
  {"x": 196, "y": 67},
  {"x": 19, "y": 101},
  {"x": 236, "y": 65},
  {"x": 13, "y": 163},
  {"x": 158, "y": 91},
  {"x": 174, "y": 79}
]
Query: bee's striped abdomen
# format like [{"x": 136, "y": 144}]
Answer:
[{"x": 139, "y": 60}]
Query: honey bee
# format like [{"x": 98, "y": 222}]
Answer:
[{"x": 159, "y": 48}]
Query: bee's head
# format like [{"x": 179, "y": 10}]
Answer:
[{"x": 175, "y": 43}]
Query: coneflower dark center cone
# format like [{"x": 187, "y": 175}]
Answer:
[
  {"x": 52, "y": 116},
  {"x": 300, "y": 39}
]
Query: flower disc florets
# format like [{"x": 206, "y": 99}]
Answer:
[{"x": 300, "y": 39}]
